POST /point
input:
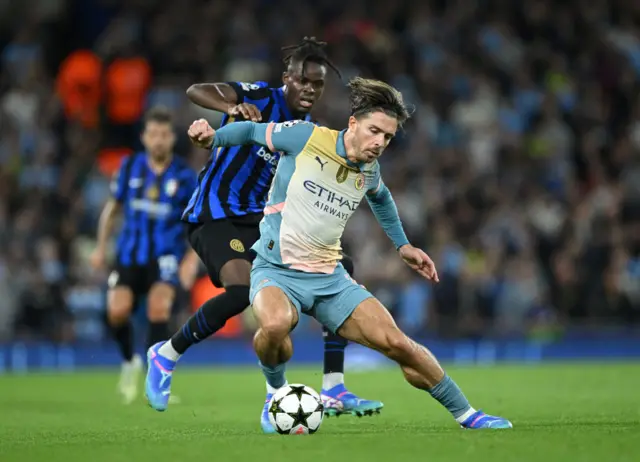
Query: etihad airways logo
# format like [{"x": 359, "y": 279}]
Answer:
[{"x": 330, "y": 201}]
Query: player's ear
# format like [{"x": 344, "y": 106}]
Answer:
[
  {"x": 353, "y": 123},
  {"x": 285, "y": 78}
]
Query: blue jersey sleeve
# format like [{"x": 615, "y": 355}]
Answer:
[
  {"x": 252, "y": 91},
  {"x": 119, "y": 182},
  {"x": 288, "y": 137},
  {"x": 385, "y": 210}
]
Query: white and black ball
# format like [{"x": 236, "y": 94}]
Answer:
[{"x": 296, "y": 409}]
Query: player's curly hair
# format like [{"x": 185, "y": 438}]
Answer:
[
  {"x": 310, "y": 49},
  {"x": 369, "y": 95}
]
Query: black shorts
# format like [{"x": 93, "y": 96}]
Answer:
[
  {"x": 140, "y": 278},
  {"x": 217, "y": 242}
]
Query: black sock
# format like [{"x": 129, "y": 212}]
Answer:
[
  {"x": 158, "y": 331},
  {"x": 211, "y": 317},
  {"x": 123, "y": 336},
  {"x": 334, "y": 346}
]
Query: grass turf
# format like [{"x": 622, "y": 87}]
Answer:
[{"x": 561, "y": 412}]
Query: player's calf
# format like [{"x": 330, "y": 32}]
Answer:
[
  {"x": 120, "y": 305},
  {"x": 371, "y": 325},
  {"x": 159, "y": 302},
  {"x": 276, "y": 317}
]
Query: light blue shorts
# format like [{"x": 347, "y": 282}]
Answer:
[{"x": 330, "y": 298}]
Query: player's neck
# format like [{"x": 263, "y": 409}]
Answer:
[
  {"x": 298, "y": 115},
  {"x": 159, "y": 166},
  {"x": 348, "y": 147}
]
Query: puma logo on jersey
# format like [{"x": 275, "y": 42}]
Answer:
[{"x": 322, "y": 164}]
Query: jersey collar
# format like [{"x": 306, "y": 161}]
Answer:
[{"x": 342, "y": 151}]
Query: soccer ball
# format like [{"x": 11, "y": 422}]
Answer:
[{"x": 296, "y": 410}]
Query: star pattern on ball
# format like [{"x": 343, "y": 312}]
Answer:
[
  {"x": 300, "y": 417},
  {"x": 298, "y": 391}
]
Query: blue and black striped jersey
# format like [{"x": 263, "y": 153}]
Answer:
[
  {"x": 153, "y": 206},
  {"x": 235, "y": 181}
]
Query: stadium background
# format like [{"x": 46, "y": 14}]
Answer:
[{"x": 519, "y": 172}]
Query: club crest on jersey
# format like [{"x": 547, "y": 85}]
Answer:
[
  {"x": 359, "y": 181},
  {"x": 171, "y": 187},
  {"x": 342, "y": 174},
  {"x": 236, "y": 245},
  {"x": 152, "y": 193}
]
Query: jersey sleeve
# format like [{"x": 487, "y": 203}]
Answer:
[
  {"x": 119, "y": 182},
  {"x": 287, "y": 137},
  {"x": 252, "y": 91},
  {"x": 386, "y": 212}
]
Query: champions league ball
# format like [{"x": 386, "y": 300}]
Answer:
[{"x": 296, "y": 410}]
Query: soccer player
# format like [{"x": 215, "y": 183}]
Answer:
[
  {"x": 152, "y": 188},
  {"x": 225, "y": 211},
  {"x": 322, "y": 177}
]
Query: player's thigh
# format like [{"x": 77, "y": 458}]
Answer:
[
  {"x": 161, "y": 280},
  {"x": 275, "y": 303},
  {"x": 370, "y": 324},
  {"x": 224, "y": 251},
  {"x": 121, "y": 294},
  {"x": 336, "y": 296}
]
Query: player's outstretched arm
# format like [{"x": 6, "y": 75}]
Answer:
[
  {"x": 226, "y": 98},
  {"x": 288, "y": 137},
  {"x": 386, "y": 212},
  {"x": 215, "y": 96}
]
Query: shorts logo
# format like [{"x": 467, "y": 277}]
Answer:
[
  {"x": 236, "y": 245},
  {"x": 342, "y": 174},
  {"x": 359, "y": 181}
]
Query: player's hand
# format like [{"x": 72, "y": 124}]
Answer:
[
  {"x": 201, "y": 134},
  {"x": 419, "y": 262},
  {"x": 97, "y": 259},
  {"x": 247, "y": 111}
]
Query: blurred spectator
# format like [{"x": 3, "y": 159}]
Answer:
[{"x": 519, "y": 172}]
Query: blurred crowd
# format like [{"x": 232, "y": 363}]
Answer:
[{"x": 519, "y": 171}]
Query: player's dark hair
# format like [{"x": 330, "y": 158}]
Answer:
[
  {"x": 158, "y": 114},
  {"x": 310, "y": 49},
  {"x": 369, "y": 95}
]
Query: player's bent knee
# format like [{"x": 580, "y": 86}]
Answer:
[
  {"x": 120, "y": 305},
  {"x": 159, "y": 302},
  {"x": 236, "y": 273},
  {"x": 118, "y": 314},
  {"x": 398, "y": 346},
  {"x": 276, "y": 327},
  {"x": 274, "y": 312}
]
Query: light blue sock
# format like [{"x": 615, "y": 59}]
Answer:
[
  {"x": 274, "y": 375},
  {"x": 451, "y": 397}
]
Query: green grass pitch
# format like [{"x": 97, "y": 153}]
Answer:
[{"x": 561, "y": 412}]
